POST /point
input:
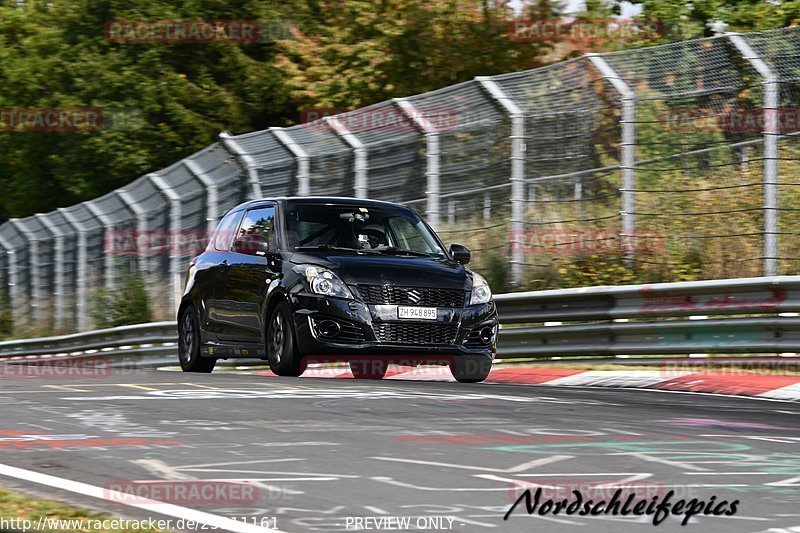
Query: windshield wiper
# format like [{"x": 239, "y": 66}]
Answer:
[
  {"x": 393, "y": 250},
  {"x": 325, "y": 247}
]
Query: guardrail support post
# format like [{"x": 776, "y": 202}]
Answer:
[
  {"x": 771, "y": 131},
  {"x": 12, "y": 283},
  {"x": 245, "y": 160},
  {"x": 58, "y": 269},
  {"x": 175, "y": 223},
  {"x": 627, "y": 153},
  {"x": 212, "y": 202},
  {"x": 34, "y": 266},
  {"x": 81, "y": 274},
  {"x": 433, "y": 160},
  {"x": 108, "y": 259},
  {"x": 303, "y": 163},
  {"x": 359, "y": 154},
  {"x": 141, "y": 227},
  {"x": 517, "y": 176}
]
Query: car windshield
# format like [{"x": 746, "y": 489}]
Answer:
[{"x": 357, "y": 227}]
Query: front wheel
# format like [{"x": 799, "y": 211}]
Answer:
[
  {"x": 368, "y": 369},
  {"x": 282, "y": 354},
  {"x": 471, "y": 369},
  {"x": 189, "y": 344}
]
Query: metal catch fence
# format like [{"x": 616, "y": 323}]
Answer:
[{"x": 666, "y": 163}]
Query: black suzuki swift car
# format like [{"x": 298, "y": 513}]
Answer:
[{"x": 295, "y": 280}]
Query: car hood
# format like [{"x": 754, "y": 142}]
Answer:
[{"x": 390, "y": 270}]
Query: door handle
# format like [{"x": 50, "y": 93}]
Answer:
[{"x": 224, "y": 266}]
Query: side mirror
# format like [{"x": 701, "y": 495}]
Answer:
[{"x": 460, "y": 253}]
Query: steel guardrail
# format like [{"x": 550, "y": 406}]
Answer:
[
  {"x": 145, "y": 338},
  {"x": 748, "y": 315}
]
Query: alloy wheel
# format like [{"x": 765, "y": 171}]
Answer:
[
  {"x": 277, "y": 338},
  {"x": 187, "y": 337}
]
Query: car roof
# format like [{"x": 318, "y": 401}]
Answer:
[{"x": 333, "y": 200}]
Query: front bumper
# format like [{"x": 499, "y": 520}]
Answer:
[{"x": 375, "y": 331}]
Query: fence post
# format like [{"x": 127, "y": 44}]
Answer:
[
  {"x": 627, "y": 153},
  {"x": 108, "y": 258},
  {"x": 247, "y": 162},
  {"x": 212, "y": 202},
  {"x": 12, "y": 282},
  {"x": 303, "y": 163},
  {"x": 433, "y": 159},
  {"x": 81, "y": 274},
  {"x": 34, "y": 266},
  {"x": 359, "y": 154},
  {"x": 175, "y": 223},
  {"x": 771, "y": 131},
  {"x": 517, "y": 176},
  {"x": 141, "y": 227},
  {"x": 58, "y": 269}
]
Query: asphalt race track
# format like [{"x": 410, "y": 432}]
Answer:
[{"x": 447, "y": 456}]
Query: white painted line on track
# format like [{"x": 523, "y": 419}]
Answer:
[
  {"x": 519, "y": 468},
  {"x": 155, "y": 506}
]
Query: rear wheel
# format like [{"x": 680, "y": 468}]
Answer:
[
  {"x": 189, "y": 344},
  {"x": 282, "y": 354},
  {"x": 471, "y": 369},
  {"x": 368, "y": 368}
]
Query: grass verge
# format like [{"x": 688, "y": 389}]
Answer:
[{"x": 15, "y": 505}]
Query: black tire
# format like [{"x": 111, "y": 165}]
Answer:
[
  {"x": 189, "y": 344},
  {"x": 471, "y": 369},
  {"x": 282, "y": 354},
  {"x": 368, "y": 368}
]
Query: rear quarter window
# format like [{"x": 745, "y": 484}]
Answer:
[{"x": 225, "y": 232}]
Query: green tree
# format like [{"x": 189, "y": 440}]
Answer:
[
  {"x": 702, "y": 18},
  {"x": 55, "y": 55},
  {"x": 346, "y": 53},
  {"x": 350, "y": 53}
]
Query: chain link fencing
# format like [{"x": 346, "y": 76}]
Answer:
[{"x": 667, "y": 163}]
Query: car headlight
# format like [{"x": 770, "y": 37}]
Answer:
[
  {"x": 322, "y": 281},
  {"x": 481, "y": 293}
]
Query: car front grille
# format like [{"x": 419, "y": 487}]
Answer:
[
  {"x": 395, "y": 333},
  {"x": 388, "y": 294}
]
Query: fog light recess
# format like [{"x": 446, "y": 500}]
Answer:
[{"x": 328, "y": 329}]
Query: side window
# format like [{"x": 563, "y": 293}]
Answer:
[
  {"x": 257, "y": 232},
  {"x": 223, "y": 237}
]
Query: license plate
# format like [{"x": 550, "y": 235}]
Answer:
[{"x": 416, "y": 313}]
